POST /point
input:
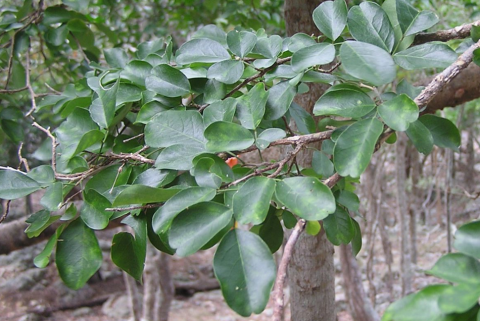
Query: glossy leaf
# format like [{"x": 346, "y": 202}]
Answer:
[
  {"x": 299, "y": 41},
  {"x": 251, "y": 106},
  {"x": 129, "y": 252},
  {"x": 354, "y": 147},
  {"x": 419, "y": 306},
  {"x": 15, "y": 184},
  {"x": 369, "y": 23},
  {"x": 222, "y": 110},
  {"x": 103, "y": 111},
  {"x": 279, "y": 100},
  {"x": 321, "y": 164},
  {"x": 241, "y": 42},
  {"x": 339, "y": 227},
  {"x": 252, "y": 200},
  {"x": 306, "y": 197},
  {"x": 227, "y": 72},
  {"x": 459, "y": 299},
  {"x": 269, "y": 135},
  {"x": 429, "y": 55},
  {"x": 318, "y": 54},
  {"x": 467, "y": 239},
  {"x": 420, "y": 137},
  {"x": 155, "y": 178},
  {"x": 245, "y": 269},
  {"x": 201, "y": 50},
  {"x": 43, "y": 258},
  {"x": 141, "y": 194},
  {"x": 214, "y": 91},
  {"x": 195, "y": 226},
  {"x": 137, "y": 71},
  {"x": 224, "y": 136},
  {"x": 367, "y": 62},
  {"x": 53, "y": 197},
  {"x": 167, "y": 81},
  {"x": 163, "y": 217},
  {"x": 271, "y": 231},
  {"x": 78, "y": 255},
  {"x": 175, "y": 128},
  {"x": 313, "y": 228},
  {"x": 349, "y": 199},
  {"x": 345, "y": 101},
  {"x": 269, "y": 47},
  {"x": 445, "y": 134},
  {"x": 93, "y": 211},
  {"x": 357, "y": 239},
  {"x": 116, "y": 57},
  {"x": 457, "y": 268},
  {"x": 412, "y": 21},
  {"x": 398, "y": 113},
  {"x": 330, "y": 17},
  {"x": 178, "y": 157},
  {"x": 211, "y": 32}
]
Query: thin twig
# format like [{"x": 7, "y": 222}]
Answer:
[
  {"x": 22, "y": 160},
  {"x": 54, "y": 144},
  {"x": 6, "y": 210},
  {"x": 29, "y": 85},
  {"x": 278, "y": 299},
  {"x": 12, "y": 91}
]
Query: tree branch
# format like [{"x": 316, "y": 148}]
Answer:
[
  {"x": 459, "y": 32},
  {"x": 282, "y": 270},
  {"x": 445, "y": 77}
]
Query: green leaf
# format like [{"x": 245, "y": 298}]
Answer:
[
  {"x": 330, "y": 17},
  {"x": 369, "y": 23},
  {"x": 271, "y": 231},
  {"x": 43, "y": 258},
  {"x": 141, "y": 194},
  {"x": 459, "y": 299},
  {"x": 306, "y": 197},
  {"x": 354, "y": 147},
  {"x": 53, "y": 197},
  {"x": 251, "y": 106},
  {"x": 457, "y": 268},
  {"x": 78, "y": 254},
  {"x": 299, "y": 41},
  {"x": 349, "y": 199},
  {"x": 195, "y": 226},
  {"x": 357, "y": 239},
  {"x": 14, "y": 130},
  {"x": 279, "y": 100},
  {"x": 321, "y": 164},
  {"x": 137, "y": 71},
  {"x": 155, "y": 178},
  {"x": 252, "y": 200},
  {"x": 214, "y": 91},
  {"x": 318, "y": 77},
  {"x": 367, "y": 62},
  {"x": 420, "y": 137},
  {"x": 269, "y": 47},
  {"x": 313, "y": 228},
  {"x": 344, "y": 100},
  {"x": 475, "y": 33},
  {"x": 129, "y": 253},
  {"x": 167, "y": 81},
  {"x": 304, "y": 121},
  {"x": 411, "y": 20},
  {"x": 339, "y": 227},
  {"x": 178, "y": 157},
  {"x": 241, "y": 43},
  {"x": 174, "y": 127},
  {"x": 205, "y": 175},
  {"x": 429, "y": 55},
  {"x": 224, "y": 136},
  {"x": 222, "y": 110},
  {"x": 107, "y": 179},
  {"x": 318, "y": 54},
  {"x": 15, "y": 184},
  {"x": 93, "y": 210},
  {"x": 419, "y": 306},
  {"x": 163, "y": 217},
  {"x": 211, "y": 32},
  {"x": 149, "y": 47},
  {"x": 445, "y": 134},
  {"x": 227, "y": 71},
  {"x": 245, "y": 268},
  {"x": 43, "y": 174},
  {"x": 398, "y": 113},
  {"x": 269, "y": 135},
  {"x": 467, "y": 239},
  {"x": 116, "y": 57},
  {"x": 201, "y": 50},
  {"x": 102, "y": 110},
  {"x": 57, "y": 36},
  {"x": 37, "y": 223}
]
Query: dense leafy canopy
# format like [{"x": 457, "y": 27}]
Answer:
[{"x": 150, "y": 125}]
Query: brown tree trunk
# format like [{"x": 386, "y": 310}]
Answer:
[
  {"x": 361, "y": 309},
  {"x": 311, "y": 271}
]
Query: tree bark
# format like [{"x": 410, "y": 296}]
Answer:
[
  {"x": 311, "y": 271},
  {"x": 360, "y": 307}
]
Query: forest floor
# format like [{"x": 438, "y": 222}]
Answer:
[{"x": 31, "y": 294}]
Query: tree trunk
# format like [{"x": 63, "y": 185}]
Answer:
[
  {"x": 311, "y": 271},
  {"x": 360, "y": 306}
]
